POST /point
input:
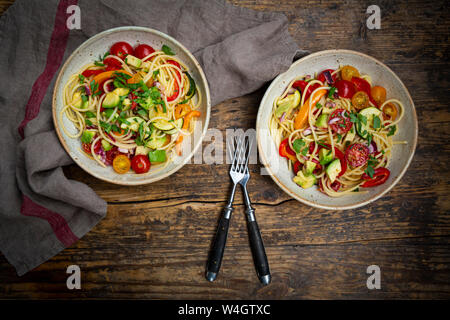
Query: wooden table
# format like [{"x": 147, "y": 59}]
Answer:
[{"x": 155, "y": 239}]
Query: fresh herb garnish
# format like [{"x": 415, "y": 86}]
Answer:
[
  {"x": 99, "y": 64},
  {"x": 298, "y": 144},
  {"x": 90, "y": 114},
  {"x": 106, "y": 126},
  {"x": 318, "y": 105},
  {"x": 331, "y": 93},
  {"x": 339, "y": 138},
  {"x": 376, "y": 122},
  {"x": 370, "y": 171},
  {"x": 392, "y": 130},
  {"x": 167, "y": 50},
  {"x": 155, "y": 73},
  {"x": 81, "y": 77}
]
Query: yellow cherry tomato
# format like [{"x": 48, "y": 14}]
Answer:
[
  {"x": 348, "y": 72},
  {"x": 121, "y": 164}
]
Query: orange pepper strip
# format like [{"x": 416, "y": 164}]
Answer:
[
  {"x": 102, "y": 77},
  {"x": 187, "y": 120},
  {"x": 181, "y": 110},
  {"x": 302, "y": 115}
]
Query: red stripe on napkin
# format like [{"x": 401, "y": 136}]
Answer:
[
  {"x": 56, "y": 221},
  {"x": 55, "y": 54}
]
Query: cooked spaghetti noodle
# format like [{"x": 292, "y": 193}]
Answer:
[
  {"x": 336, "y": 130},
  {"x": 139, "y": 106}
]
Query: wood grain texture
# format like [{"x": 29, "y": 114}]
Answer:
[{"x": 155, "y": 239}]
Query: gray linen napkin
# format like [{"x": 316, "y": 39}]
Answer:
[{"x": 41, "y": 211}]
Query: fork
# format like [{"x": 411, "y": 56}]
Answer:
[
  {"x": 237, "y": 171},
  {"x": 256, "y": 242}
]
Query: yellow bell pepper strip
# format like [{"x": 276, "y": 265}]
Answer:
[
  {"x": 302, "y": 115},
  {"x": 187, "y": 120}
]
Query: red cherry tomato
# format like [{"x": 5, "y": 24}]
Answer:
[
  {"x": 88, "y": 73},
  {"x": 121, "y": 49},
  {"x": 357, "y": 155},
  {"x": 379, "y": 177},
  {"x": 176, "y": 89},
  {"x": 111, "y": 154},
  {"x": 343, "y": 123},
  {"x": 301, "y": 85},
  {"x": 177, "y": 65},
  {"x": 143, "y": 50},
  {"x": 336, "y": 185},
  {"x": 87, "y": 147},
  {"x": 297, "y": 167},
  {"x": 363, "y": 85},
  {"x": 140, "y": 164},
  {"x": 321, "y": 76},
  {"x": 345, "y": 89},
  {"x": 112, "y": 64}
]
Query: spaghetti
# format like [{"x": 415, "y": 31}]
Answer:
[
  {"x": 136, "y": 103},
  {"x": 336, "y": 130}
]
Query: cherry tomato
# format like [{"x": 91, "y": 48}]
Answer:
[
  {"x": 363, "y": 85},
  {"x": 360, "y": 100},
  {"x": 321, "y": 76},
  {"x": 174, "y": 95},
  {"x": 301, "y": 85},
  {"x": 345, "y": 89},
  {"x": 176, "y": 64},
  {"x": 121, "y": 164},
  {"x": 336, "y": 185},
  {"x": 343, "y": 124},
  {"x": 111, "y": 154},
  {"x": 379, "y": 177},
  {"x": 378, "y": 94},
  {"x": 357, "y": 155},
  {"x": 297, "y": 167},
  {"x": 87, "y": 147},
  {"x": 140, "y": 164},
  {"x": 112, "y": 64},
  {"x": 348, "y": 72},
  {"x": 389, "y": 111},
  {"x": 121, "y": 49},
  {"x": 285, "y": 150},
  {"x": 88, "y": 73},
  {"x": 143, "y": 50}
]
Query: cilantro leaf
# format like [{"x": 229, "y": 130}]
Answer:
[{"x": 167, "y": 50}]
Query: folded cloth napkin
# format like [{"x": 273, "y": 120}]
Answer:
[{"x": 41, "y": 211}]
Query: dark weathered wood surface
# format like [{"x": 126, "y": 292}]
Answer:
[{"x": 154, "y": 241}]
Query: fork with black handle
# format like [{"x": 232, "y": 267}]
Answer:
[
  {"x": 256, "y": 242},
  {"x": 237, "y": 171}
]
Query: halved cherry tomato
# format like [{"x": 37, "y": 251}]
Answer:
[
  {"x": 176, "y": 64},
  {"x": 88, "y": 73},
  {"x": 301, "y": 85},
  {"x": 360, "y": 100},
  {"x": 112, "y": 64},
  {"x": 343, "y": 124},
  {"x": 321, "y": 76},
  {"x": 363, "y": 85},
  {"x": 121, "y": 49},
  {"x": 336, "y": 185},
  {"x": 121, "y": 164},
  {"x": 87, "y": 147},
  {"x": 389, "y": 111},
  {"x": 285, "y": 150},
  {"x": 140, "y": 164},
  {"x": 378, "y": 94},
  {"x": 111, "y": 154},
  {"x": 143, "y": 50},
  {"x": 379, "y": 177},
  {"x": 357, "y": 155},
  {"x": 174, "y": 95},
  {"x": 297, "y": 166},
  {"x": 345, "y": 89},
  {"x": 348, "y": 72}
]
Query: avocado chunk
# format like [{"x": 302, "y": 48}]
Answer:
[
  {"x": 325, "y": 156},
  {"x": 333, "y": 169},
  {"x": 111, "y": 100},
  {"x": 141, "y": 150},
  {"x": 305, "y": 181},
  {"x": 88, "y": 136},
  {"x": 368, "y": 114},
  {"x": 350, "y": 135},
  {"x": 309, "y": 167},
  {"x": 133, "y": 61},
  {"x": 121, "y": 91},
  {"x": 157, "y": 156},
  {"x": 287, "y": 104},
  {"x": 78, "y": 101},
  {"x": 106, "y": 145},
  {"x": 322, "y": 121}
]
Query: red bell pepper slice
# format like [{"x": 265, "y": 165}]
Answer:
[
  {"x": 285, "y": 150},
  {"x": 379, "y": 177},
  {"x": 88, "y": 73},
  {"x": 301, "y": 85}
]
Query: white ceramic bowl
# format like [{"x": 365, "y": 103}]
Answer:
[
  {"x": 407, "y": 129},
  {"x": 89, "y": 51}
]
